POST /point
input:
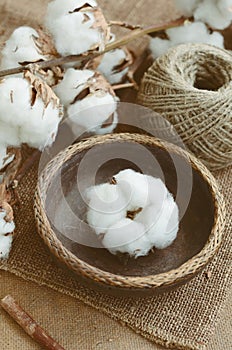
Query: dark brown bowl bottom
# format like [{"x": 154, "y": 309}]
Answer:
[{"x": 195, "y": 226}]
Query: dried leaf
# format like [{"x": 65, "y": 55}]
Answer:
[
  {"x": 5, "y": 197},
  {"x": 52, "y": 76},
  {"x": 12, "y": 168},
  {"x": 42, "y": 90},
  {"x": 102, "y": 25},
  {"x": 45, "y": 44},
  {"x": 99, "y": 83}
]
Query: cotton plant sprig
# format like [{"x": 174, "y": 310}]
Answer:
[
  {"x": 133, "y": 214},
  {"x": 80, "y": 58},
  {"x": 69, "y": 20},
  {"x": 26, "y": 46},
  {"x": 30, "y": 111}
]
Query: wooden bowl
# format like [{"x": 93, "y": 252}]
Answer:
[{"x": 198, "y": 239}]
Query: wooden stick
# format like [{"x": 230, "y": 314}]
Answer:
[
  {"x": 28, "y": 324},
  {"x": 134, "y": 34}
]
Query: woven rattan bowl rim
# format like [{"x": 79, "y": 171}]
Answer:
[{"x": 175, "y": 276}]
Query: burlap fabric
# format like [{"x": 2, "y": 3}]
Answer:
[{"x": 185, "y": 318}]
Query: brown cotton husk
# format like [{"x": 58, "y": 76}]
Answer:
[
  {"x": 52, "y": 76},
  {"x": 45, "y": 44},
  {"x": 46, "y": 48},
  {"x": 95, "y": 85},
  {"x": 40, "y": 89},
  {"x": 99, "y": 83},
  {"x": 9, "y": 175},
  {"x": 102, "y": 25}
]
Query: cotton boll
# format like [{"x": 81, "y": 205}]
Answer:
[
  {"x": 90, "y": 102},
  {"x": 107, "y": 206},
  {"x": 5, "y": 246},
  {"x": 92, "y": 111},
  {"x": 77, "y": 26},
  {"x": 115, "y": 65},
  {"x": 73, "y": 28},
  {"x": 29, "y": 111},
  {"x": 127, "y": 236},
  {"x": 135, "y": 213},
  {"x": 74, "y": 81},
  {"x": 215, "y": 13},
  {"x": 195, "y": 32},
  {"x": 187, "y": 7},
  {"x": 20, "y": 47}
]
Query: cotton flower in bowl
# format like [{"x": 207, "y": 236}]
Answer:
[{"x": 133, "y": 214}]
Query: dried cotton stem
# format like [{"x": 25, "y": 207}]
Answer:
[{"x": 134, "y": 34}]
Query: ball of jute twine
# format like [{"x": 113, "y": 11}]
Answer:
[{"x": 191, "y": 86}]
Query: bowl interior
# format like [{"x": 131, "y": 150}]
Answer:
[{"x": 195, "y": 225}]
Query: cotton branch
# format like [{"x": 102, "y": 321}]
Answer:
[{"x": 134, "y": 34}]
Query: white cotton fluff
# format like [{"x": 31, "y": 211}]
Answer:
[
  {"x": 156, "y": 225},
  {"x": 5, "y": 227},
  {"x": 90, "y": 113},
  {"x": 5, "y": 241},
  {"x": 73, "y": 31},
  {"x": 22, "y": 122},
  {"x": 127, "y": 236},
  {"x": 196, "y": 32},
  {"x": 20, "y": 47},
  {"x": 109, "y": 62},
  {"x": 216, "y": 13},
  {"x": 72, "y": 84},
  {"x": 107, "y": 205}
]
